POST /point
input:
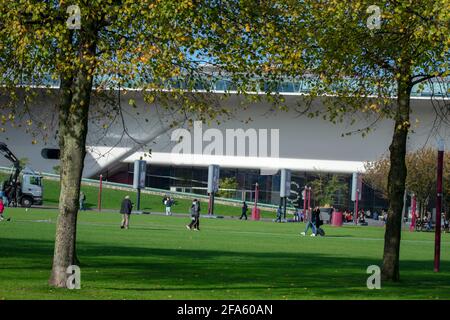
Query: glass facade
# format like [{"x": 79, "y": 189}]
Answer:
[
  {"x": 302, "y": 85},
  {"x": 194, "y": 180}
]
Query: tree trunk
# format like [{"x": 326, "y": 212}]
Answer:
[
  {"x": 396, "y": 185},
  {"x": 73, "y": 125}
]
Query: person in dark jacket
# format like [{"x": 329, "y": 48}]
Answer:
[
  {"x": 319, "y": 222},
  {"x": 168, "y": 204},
  {"x": 279, "y": 214},
  {"x": 244, "y": 211},
  {"x": 195, "y": 216},
  {"x": 125, "y": 210},
  {"x": 316, "y": 216},
  {"x": 82, "y": 201}
]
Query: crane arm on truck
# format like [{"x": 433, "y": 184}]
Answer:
[
  {"x": 9, "y": 155},
  {"x": 11, "y": 187}
]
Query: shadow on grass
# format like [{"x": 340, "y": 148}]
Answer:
[{"x": 140, "y": 269}]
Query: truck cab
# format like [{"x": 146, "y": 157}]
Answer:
[
  {"x": 24, "y": 186},
  {"x": 31, "y": 188}
]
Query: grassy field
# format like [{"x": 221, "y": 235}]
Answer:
[
  {"x": 157, "y": 258},
  {"x": 112, "y": 198}
]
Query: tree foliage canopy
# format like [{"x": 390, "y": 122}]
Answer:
[
  {"x": 326, "y": 188},
  {"x": 352, "y": 67},
  {"x": 166, "y": 49},
  {"x": 421, "y": 178}
]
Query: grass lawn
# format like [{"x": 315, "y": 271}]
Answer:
[
  {"x": 112, "y": 198},
  {"x": 157, "y": 258}
]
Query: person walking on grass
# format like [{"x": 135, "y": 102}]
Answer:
[
  {"x": 244, "y": 211},
  {"x": 82, "y": 201},
  {"x": 312, "y": 222},
  {"x": 125, "y": 210},
  {"x": 2, "y": 208},
  {"x": 195, "y": 216},
  {"x": 168, "y": 203},
  {"x": 279, "y": 214}
]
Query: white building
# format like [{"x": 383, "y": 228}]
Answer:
[{"x": 305, "y": 144}]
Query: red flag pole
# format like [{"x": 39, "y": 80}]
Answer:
[
  {"x": 356, "y": 206},
  {"x": 413, "y": 213},
  {"x": 256, "y": 195},
  {"x": 99, "y": 201},
  {"x": 437, "y": 238},
  {"x": 255, "y": 210}
]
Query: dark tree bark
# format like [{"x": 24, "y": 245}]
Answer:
[
  {"x": 75, "y": 91},
  {"x": 396, "y": 185}
]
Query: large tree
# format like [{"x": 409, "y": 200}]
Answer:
[
  {"x": 158, "y": 47},
  {"x": 410, "y": 47},
  {"x": 362, "y": 59}
]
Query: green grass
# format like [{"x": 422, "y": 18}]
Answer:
[
  {"x": 112, "y": 198},
  {"x": 157, "y": 258}
]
